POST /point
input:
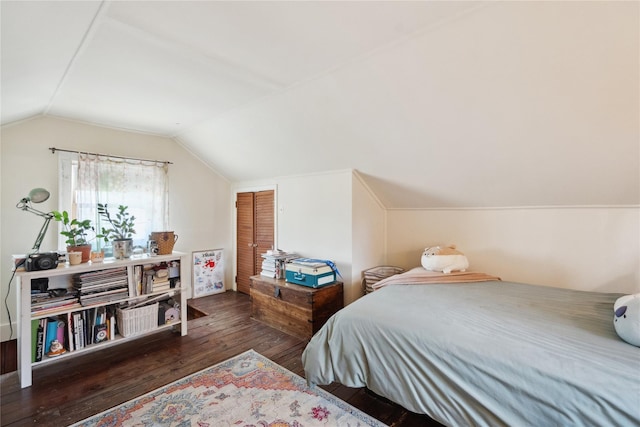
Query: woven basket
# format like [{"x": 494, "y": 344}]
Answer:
[
  {"x": 375, "y": 274},
  {"x": 137, "y": 321},
  {"x": 165, "y": 241}
]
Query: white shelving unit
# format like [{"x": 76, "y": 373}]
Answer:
[{"x": 63, "y": 275}]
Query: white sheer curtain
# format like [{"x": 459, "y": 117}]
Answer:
[{"x": 140, "y": 185}]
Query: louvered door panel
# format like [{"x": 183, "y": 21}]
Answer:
[
  {"x": 264, "y": 218},
  {"x": 245, "y": 232}
]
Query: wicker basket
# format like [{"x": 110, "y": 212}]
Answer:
[
  {"x": 375, "y": 274},
  {"x": 165, "y": 241},
  {"x": 136, "y": 321}
]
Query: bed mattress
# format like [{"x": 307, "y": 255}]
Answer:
[{"x": 484, "y": 354}]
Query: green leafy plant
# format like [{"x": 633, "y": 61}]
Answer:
[
  {"x": 122, "y": 223},
  {"x": 74, "y": 230}
]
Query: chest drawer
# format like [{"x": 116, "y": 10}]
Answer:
[{"x": 297, "y": 310}]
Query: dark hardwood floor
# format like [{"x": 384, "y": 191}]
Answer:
[{"x": 75, "y": 388}]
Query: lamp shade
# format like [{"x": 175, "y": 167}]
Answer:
[{"x": 38, "y": 195}]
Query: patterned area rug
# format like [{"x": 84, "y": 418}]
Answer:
[{"x": 248, "y": 390}]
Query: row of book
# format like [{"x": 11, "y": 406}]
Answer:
[
  {"x": 273, "y": 263},
  {"x": 149, "y": 279},
  {"x": 103, "y": 286},
  {"x": 53, "y": 336}
]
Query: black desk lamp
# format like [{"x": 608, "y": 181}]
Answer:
[{"x": 37, "y": 195}]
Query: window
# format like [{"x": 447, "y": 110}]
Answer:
[{"x": 142, "y": 186}]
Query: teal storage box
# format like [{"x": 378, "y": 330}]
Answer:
[
  {"x": 312, "y": 281},
  {"x": 306, "y": 274}
]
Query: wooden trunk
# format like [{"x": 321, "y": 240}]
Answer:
[{"x": 298, "y": 310}]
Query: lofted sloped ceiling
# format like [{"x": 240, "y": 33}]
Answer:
[{"x": 436, "y": 104}]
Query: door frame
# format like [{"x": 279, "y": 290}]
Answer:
[{"x": 234, "y": 227}]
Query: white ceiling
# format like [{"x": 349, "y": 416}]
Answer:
[{"x": 437, "y": 104}]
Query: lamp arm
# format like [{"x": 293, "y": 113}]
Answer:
[
  {"x": 48, "y": 216},
  {"x": 25, "y": 206},
  {"x": 41, "y": 234}
]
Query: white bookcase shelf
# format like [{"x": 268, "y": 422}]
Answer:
[{"x": 64, "y": 274}]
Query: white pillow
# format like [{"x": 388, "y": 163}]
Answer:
[{"x": 626, "y": 318}]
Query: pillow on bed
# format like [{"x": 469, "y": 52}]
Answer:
[
  {"x": 445, "y": 259},
  {"x": 626, "y": 318}
]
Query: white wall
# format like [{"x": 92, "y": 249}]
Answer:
[
  {"x": 314, "y": 218},
  {"x": 369, "y": 233},
  {"x": 593, "y": 249},
  {"x": 199, "y": 199}
]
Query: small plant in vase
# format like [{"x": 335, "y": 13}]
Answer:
[
  {"x": 121, "y": 231},
  {"x": 76, "y": 233}
]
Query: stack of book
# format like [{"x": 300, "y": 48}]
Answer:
[
  {"x": 46, "y": 303},
  {"x": 104, "y": 286},
  {"x": 160, "y": 280},
  {"x": 150, "y": 279},
  {"x": 274, "y": 261}
]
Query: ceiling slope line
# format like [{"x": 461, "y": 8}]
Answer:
[
  {"x": 366, "y": 186},
  {"x": 198, "y": 157},
  {"x": 83, "y": 44},
  {"x": 219, "y": 64},
  {"x": 385, "y": 46}
]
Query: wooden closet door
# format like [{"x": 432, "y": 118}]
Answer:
[{"x": 255, "y": 234}]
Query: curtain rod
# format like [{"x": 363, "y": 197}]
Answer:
[{"x": 54, "y": 149}]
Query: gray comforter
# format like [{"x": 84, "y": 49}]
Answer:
[{"x": 486, "y": 354}]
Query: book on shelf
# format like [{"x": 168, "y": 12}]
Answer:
[
  {"x": 37, "y": 339},
  {"x": 282, "y": 255},
  {"x": 162, "y": 287},
  {"x": 104, "y": 286},
  {"x": 40, "y": 340},
  {"x": 51, "y": 334},
  {"x": 52, "y": 303},
  {"x": 101, "y": 333},
  {"x": 69, "y": 324},
  {"x": 79, "y": 330},
  {"x": 100, "y": 275},
  {"x": 104, "y": 297},
  {"x": 111, "y": 322},
  {"x": 101, "y": 287},
  {"x": 100, "y": 327},
  {"x": 56, "y": 309}
]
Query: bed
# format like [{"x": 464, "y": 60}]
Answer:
[{"x": 483, "y": 353}]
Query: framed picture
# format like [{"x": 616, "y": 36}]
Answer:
[{"x": 207, "y": 272}]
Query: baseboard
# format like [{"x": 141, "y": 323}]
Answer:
[{"x": 8, "y": 356}]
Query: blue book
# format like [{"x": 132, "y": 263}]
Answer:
[{"x": 52, "y": 334}]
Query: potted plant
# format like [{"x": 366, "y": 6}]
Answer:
[
  {"x": 121, "y": 231},
  {"x": 76, "y": 233}
]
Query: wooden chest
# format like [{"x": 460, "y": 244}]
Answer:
[{"x": 298, "y": 310}]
